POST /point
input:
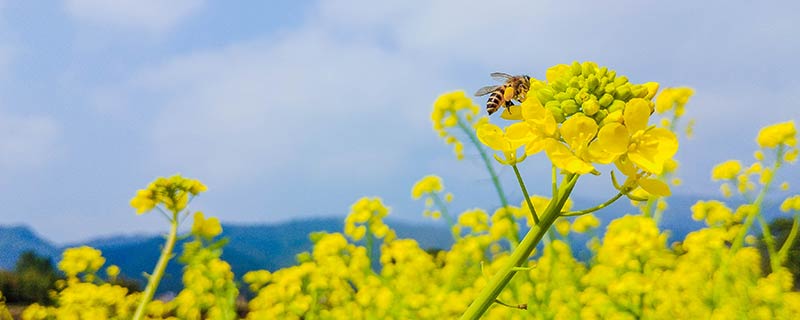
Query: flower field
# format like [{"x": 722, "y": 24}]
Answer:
[{"x": 510, "y": 260}]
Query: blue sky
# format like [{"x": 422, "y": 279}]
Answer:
[{"x": 290, "y": 109}]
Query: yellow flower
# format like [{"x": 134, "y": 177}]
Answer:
[
  {"x": 673, "y": 97},
  {"x": 541, "y": 123},
  {"x": 584, "y": 223},
  {"x": 562, "y": 227},
  {"x": 780, "y": 133},
  {"x": 577, "y": 131},
  {"x": 648, "y": 148},
  {"x": 205, "y": 228},
  {"x": 791, "y": 204},
  {"x": 172, "y": 192},
  {"x": 726, "y": 170},
  {"x": 428, "y": 184}
]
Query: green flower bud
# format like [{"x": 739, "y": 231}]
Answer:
[
  {"x": 606, "y": 100},
  {"x": 588, "y": 68},
  {"x": 600, "y": 115},
  {"x": 576, "y": 68},
  {"x": 590, "y": 107},
  {"x": 569, "y": 107},
  {"x": 602, "y": 72},
  {"x": 592, "y": 82},
  {"x": 571, "y": 92},
  {"x": 545, "y": 94},
  {"x": 620, "y": 80},
  {"x": 616, "y": 105},
  {"x": 638, "y": 91},
  {"x": 623, "y": 93},
  {"x": 611, "y": 74},
  {"x": 574, "y": 82},
  {"x": 561, "y": 96},
  {"x": 583, "y": 96},
  {"x": 558, "y": 114},
  {"x": 560, "y": 85},
  {"x": 610, "y": 88}
]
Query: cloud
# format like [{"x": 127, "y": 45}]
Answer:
[
  {"x": 26, "y": 142},
  {"x": 265, "y": 107},
  {"x": 150, "y": 15}
]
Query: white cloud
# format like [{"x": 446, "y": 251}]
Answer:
[
  {"x": 26, "y": 141},
  {"x": 262, "y": 108},
  {"x": 150, "y": 15}
]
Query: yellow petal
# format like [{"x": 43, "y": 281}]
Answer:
[
  {"x": 655, "y": 187},
  {"x": 653, "y": 149},
  {"x": 613, "y": 138},
  {"x": 518, "y": 134},
  {"x": 636, "y": 113},
  {"x": 578, "y": 131},
  {"x": 512, "y": 113},
  {"x": 626, "y": 166},
  {"x": 564, "y": 159},
  {"x": 492, "y": 136}
]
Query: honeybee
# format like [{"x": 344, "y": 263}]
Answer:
[{"x": 514, "y": 88}]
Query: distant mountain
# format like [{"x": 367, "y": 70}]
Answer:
[
  {"x": 251, "y": 247},
  {"x": 14, "y": 240}
]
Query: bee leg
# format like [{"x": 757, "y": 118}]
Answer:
[{"x": 509, "y": 104}]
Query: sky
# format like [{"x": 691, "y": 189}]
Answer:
[{"x": 295, "y": 109}]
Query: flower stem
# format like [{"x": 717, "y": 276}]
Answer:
[
  {"x": 784, "y": 251},
  {"x": 486, "y": 161},
  {"x": 158, "y": 272},
  {"x": 593, "y": 209},
  {"x": 525, "y": 193},
  {"x": 521, "y": 254},
  {"x": 442, "y": 209},
  {"x": 738, "y": 242}
]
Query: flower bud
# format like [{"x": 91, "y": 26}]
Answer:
[
  {"x": 569, "y": 107},
  {"x": 576, "y": 68},
  {"x": 590, "y": 107},
  {"x": 617, "y": 105},
  {"x": 600, "y": 115},
  {"x": 558, "y": 114},
  {"x": 623, "y": 93},
  {"x": 545, "y": 94},
  {"x": 606, "y": 100}
]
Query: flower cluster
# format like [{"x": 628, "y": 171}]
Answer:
[
  {"x": 87, "y": 296},
  {"x": 584, "y": 115},
  {"x": 173, "y": 192},
  {"x": 366, "y": 218},
  {"x": 447, "y": 113},
  {"x": 209, "y": 289}
]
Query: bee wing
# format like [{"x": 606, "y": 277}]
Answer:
[
  {"x": 485, "y": 90},
  {"x": 500, "y": 76}
]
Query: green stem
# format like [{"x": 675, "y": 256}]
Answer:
[
  {"x": 521, "y": 254},
  {"x": 738, "y": 242},
  {"x": 442, "y": 208},
  {"x": 370, "y": 244},
  {"x": 486, "y": 161},
  {"x": 525, "y": 193},
  {"x": 593, "y": 209},
  {"x": 769, "y": 242},
  {"x": 158, "y": 272},
  {"x": 783, "y": 253}
]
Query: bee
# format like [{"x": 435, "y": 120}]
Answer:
[{"x": 514, "y": 88}]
